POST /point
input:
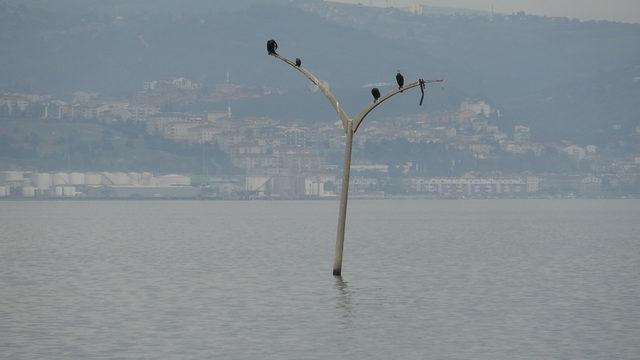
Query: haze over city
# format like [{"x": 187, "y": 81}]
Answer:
[
  {"x": 614, "y": 10},
  {"x": 309, "y": 179}
]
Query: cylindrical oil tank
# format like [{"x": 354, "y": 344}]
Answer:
[
  {"x": 76, "y": 178},
  {"x": 134, "y": 178},
  {"x": 120, "y": 178},
  {"x": 28, "y": 191},
  {"x": 107, "y": 178},
  {"x": 68, "y": 191},
  {"x": 173, "y": 180},
  {"x": 4, "y": 191},
  {"x": 7, "y": 176},
  {"x": 42, "y": 181},
  {"x": 60, "y": 179},
  {"x": 147, "y": 179},
  {"x": 93, "y": 179}
]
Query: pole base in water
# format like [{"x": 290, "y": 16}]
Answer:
[{"x": 337, "y": 272}]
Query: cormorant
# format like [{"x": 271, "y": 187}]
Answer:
[
  {"x": 272, "y": 45},
  {"x": 298, "y": 62},
  {"x": 400, "y": 80},
  {"x": 376, "y": 94}
]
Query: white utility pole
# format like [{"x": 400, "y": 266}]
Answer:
[{"x": 350, "y": 126}]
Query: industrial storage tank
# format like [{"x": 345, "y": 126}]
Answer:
[
  {"x": 28, "y": 191},
  {"x": 135, "y": 178},
  {"x": 118, "y": 178},
  {"x": 92, "y": 179},
  {"x": 173, "y": 180},
  {"x": 7, "y": 176},
  {"x": 76, "y": 178},
  {"x": 147, "y": 179},
  {"x": 60, "y": 179},
  {"x": 258, "y": 183},
  {"x": 4, "y": 191},
  {"x": 121, "y": 178},
  {"x": 107, "y": 178},
  {"x": 68, "y": 191},
  {"x": 42, "y": 181}
]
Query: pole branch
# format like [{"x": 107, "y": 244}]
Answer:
[
  {"x": 325, "y": 90},
  {"x": 360, "y": 117}
]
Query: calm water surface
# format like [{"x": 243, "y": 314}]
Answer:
[{"x": 535, "y": 279}]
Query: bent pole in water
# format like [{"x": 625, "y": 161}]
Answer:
[{"x": 350, "y": 126}]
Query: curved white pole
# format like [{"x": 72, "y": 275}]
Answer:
[
  {"x": 360, "y": 117},
  {"x": 350, "y": 126},
  {"x": 325, "y": 90}
]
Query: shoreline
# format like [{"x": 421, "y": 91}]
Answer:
[{"x": 355, "y": 198}]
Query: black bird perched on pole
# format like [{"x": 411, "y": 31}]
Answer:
[
  {"x": 376, "y": 94},
  {"x": 400, "y": 80},
  {"x": 298, "y": 62},
  {"x": 272, "y": 45}
]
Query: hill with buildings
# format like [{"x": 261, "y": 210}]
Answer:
[
  {"x": 40, "y": 144},
  {"x": 563, "y": 78}
]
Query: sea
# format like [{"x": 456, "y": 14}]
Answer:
[{"x": 421, "y": 279}]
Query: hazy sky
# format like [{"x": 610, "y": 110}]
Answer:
[{"x": 619, "y": 10}]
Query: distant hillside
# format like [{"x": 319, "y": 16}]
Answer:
[
  {"x": 566, "y": 79},
  {"x": 76, "y": 145}
]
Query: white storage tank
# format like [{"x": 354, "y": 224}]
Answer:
[
  {"x": 147, "y": 179},
  {"x": 42, "y": 181},
  {"x": 7, "y": 176},
  {"x": 121, "y": 178},
  {"x": 76, "y": 178},
  {"x": 28, "y": 191},
  {"x": 135, "y": 178},
  {"x": 257, "y": 183},
  {"x": 93, "y": 179},
  {"x": 60, "y": 179},
  {"x": 173, "y": 180},
  {"x": 118, "y": 178},
  {"x": 4, "y": 191},
  {"x": 107, "y": 178},
  {"x": 68, "y": 191}
]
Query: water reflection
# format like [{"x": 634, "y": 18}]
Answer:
[{"x": 343, "y": 302}]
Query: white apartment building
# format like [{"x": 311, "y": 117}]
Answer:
[{"x": 477, "y": 186}]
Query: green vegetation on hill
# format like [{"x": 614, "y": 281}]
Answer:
[{"x": 51, "y": 145}]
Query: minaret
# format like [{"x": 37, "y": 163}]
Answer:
[{"x": 228, "y": 111}]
